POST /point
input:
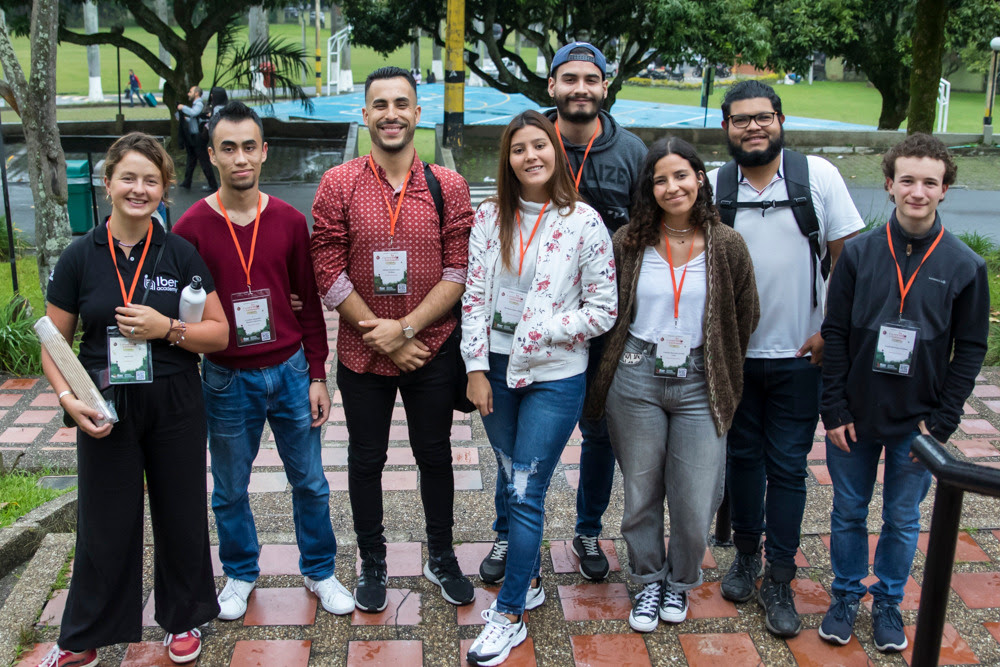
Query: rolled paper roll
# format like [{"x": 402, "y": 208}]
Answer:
[{"x": 76, "y": 375}]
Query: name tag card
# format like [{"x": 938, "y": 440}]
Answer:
[
  {"x": 894, "y": 350},
  {"x": 129, "y": 361},
  {"x": 508, "y": 309},
  {"x": 389, "y": 267},
  {"x": 252, "y": 313},
  {"x": 673, "y": 351}
]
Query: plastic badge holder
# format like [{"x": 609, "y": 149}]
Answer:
[{"x": 71, "y": 368}]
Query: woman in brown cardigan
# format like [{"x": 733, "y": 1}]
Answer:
[{"x": 672, "y": 372}]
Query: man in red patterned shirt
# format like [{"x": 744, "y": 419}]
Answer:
[{"x": 393, "y": 270}]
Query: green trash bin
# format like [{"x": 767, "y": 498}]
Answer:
[{"x": 81, "y": 217}]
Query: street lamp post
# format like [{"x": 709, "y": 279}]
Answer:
[{"x": 991, "y": 84}]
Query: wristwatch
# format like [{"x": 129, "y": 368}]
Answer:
[{"x": 408, "y": 331}]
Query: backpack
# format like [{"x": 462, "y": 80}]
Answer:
[{"x": 799, "y": 200}]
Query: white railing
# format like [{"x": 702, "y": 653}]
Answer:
[
  {"x": 334, "y": 49},
  {"x": 943, "y": 101}
]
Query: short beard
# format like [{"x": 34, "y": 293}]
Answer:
[
  {"x": 757, "y": 158},
  {"x": 241, "y": 187},
  {"x": 578, "y": 117},
  {"x": 396, "y": 148}
]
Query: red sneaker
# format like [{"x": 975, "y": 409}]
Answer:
[
  {"x": 185, "y": 647},
  {"x": 59, "y": 657}
]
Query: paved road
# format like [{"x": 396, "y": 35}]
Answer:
[{"x": 963, "y": 210}]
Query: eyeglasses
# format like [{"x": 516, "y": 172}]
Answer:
[{"x": 762, "y": 119}]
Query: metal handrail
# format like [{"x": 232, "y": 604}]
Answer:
[{"x": 954, "y": 478}]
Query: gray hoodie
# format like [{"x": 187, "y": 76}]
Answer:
[{"x": 611, "y": 171}]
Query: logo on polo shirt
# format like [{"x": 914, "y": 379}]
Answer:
[{"x": 159, "y": 284}]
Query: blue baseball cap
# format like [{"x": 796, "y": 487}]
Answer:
[{"x": 595, "y": 56}]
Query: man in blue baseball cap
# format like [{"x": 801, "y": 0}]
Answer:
[{"x": 605, "y": 160}]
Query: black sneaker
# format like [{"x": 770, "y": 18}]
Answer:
[
  {"x": 739, "y": 584},
  {"x": 838, "y": 624},
  {"x": 777, "y": 598},
  {"x": 887, "y": 624},
  {"x": 645, "y": 614},
  {"x": 674, "y": 606},
  {"x": 369, "y": 595},
  {"x": 445, "y": 572},
  {"x": 494, "y": 566},
  {"x": 593, "y": 562}
]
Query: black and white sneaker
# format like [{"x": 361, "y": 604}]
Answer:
[
  {"x": 645, "y": 614},
  {"x": 494, "y": 566},
  {"x": 445, "y": 572},
  {"x": 593, "y": 563},
  {"x": 369, "y": 595},
  {"x": 495, "y": 642},
  {"x": 674, "y": 607}
]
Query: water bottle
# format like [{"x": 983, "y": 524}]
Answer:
[{"x": 192, "y": 301}]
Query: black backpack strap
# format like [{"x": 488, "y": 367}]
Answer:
[
  {"x": 435, "y": 187},
  {"x": 797, "y": 182},
  {"x": 726, "y": 187}
]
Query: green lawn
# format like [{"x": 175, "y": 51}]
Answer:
[
  {"x": 21, "y": 494},
  {"x": 27, "y": 282}
]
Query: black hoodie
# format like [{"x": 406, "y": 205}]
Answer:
[
  {"x": 611, "y": 171},
  {"x": 950, "y": 302}
]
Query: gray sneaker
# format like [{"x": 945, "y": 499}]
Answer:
[
  {"x": 740, "y": 582},
  {"x": 778, "y": 600}
]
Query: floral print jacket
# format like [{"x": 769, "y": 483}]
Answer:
[{"x": 573, "y": 296}]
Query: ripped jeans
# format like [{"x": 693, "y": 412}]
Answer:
[{"x": 528, "y": 429}]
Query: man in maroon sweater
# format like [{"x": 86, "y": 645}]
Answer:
[{"x": 257, "y": 248}]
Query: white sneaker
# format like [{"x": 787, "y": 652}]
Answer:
[
  {"x": 335, "y": 598},
  {"x": 645, "y": 615},
  {"x": 233, "y": 598},
  {"x": 532, "y": 600},
  {"x": 495, "y": 642},
  {"x": 674, "y": 608}
]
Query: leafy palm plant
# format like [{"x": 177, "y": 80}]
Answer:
[{"x": 239, "y": 64}]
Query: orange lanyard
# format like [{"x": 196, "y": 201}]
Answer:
[
  {"x": 393, "y": 216},
  {"x": 520, "y": 237},
  {"x": 579, "y": 174},
  {"x": 114, "y": 260},
  {"x": 903, "y": 291},
  {"x": 670, "y": 262},
  {"x": 253, "y": 241}
]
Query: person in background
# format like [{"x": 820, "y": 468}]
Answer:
[
  {"x": 189, "y": 126},
  {"x": 541, "y": 284},
  {"x": 135, "y": 345},
  {"x": 134, "y": 89},
  {"x": 672, "y": 373}
]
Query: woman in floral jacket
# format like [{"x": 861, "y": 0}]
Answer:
[{"x": 541, "y": 283}]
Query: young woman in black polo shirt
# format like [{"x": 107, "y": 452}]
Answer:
[{"x": 122, "y": 280}]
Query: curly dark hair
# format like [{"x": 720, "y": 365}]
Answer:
[
  {"x": 644, "y": 226},
  {"x": 920, "y": 145}
]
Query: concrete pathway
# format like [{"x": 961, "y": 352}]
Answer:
[{"x": 581, "y": 623}]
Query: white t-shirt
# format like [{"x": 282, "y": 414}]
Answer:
[
  {"x": 782, "y": 260},
  {"x": 500, "y": 342},
  {"x": 654, "y": 298}
]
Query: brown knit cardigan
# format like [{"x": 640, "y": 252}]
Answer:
[{"x": 732, "y": 310}]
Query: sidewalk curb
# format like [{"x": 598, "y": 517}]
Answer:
[
  {"x": 31, "y": 591},
  {"x": 20, "y": 541}
]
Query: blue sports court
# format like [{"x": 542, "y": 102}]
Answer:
[{"x": 486, "y": 106}]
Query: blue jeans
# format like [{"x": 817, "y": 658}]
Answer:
[
  {"x": 905, "y": 486},
  {"x": 237, "y": 401},
  {"x": 597, "y": 468},
  {"x": 768, "y": 444},
  {"x": 528, "y": 429}
]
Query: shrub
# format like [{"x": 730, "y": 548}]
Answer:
[
  {"x": 20, "y": 351},
  {"x": 20, "y": 245}
]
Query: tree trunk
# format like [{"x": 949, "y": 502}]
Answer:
[
  {"x": 415, "y": 50},
  {"x": 928, "y": 45},
  {"x": 90, "y": 26},
  {"x": 894, "y": 86},
  {"x": 46, "y": 161},
  {"x": 258, "y": 30},
  {"x": 163, "y": 12}
]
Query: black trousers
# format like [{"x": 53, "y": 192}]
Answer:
[
  {"x": 162, "y": 432},
  {"x": 197, "y": 154},
  {"x": 428, "y": 399}
]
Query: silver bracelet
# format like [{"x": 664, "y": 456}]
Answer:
[{"x": 65, "y": 392}]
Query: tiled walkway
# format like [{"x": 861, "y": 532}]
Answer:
[{"x": 581, "y": 623}]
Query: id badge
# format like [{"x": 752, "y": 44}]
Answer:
[
  {"x": 252, "y": 315},
  {"x": 508, "y": 308},
  {"x": 129, "y": 361},
  {"x": 389, "y": 268},
  {"x": 673, "y": 350},
  {"x": 894, "y": 350}
]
